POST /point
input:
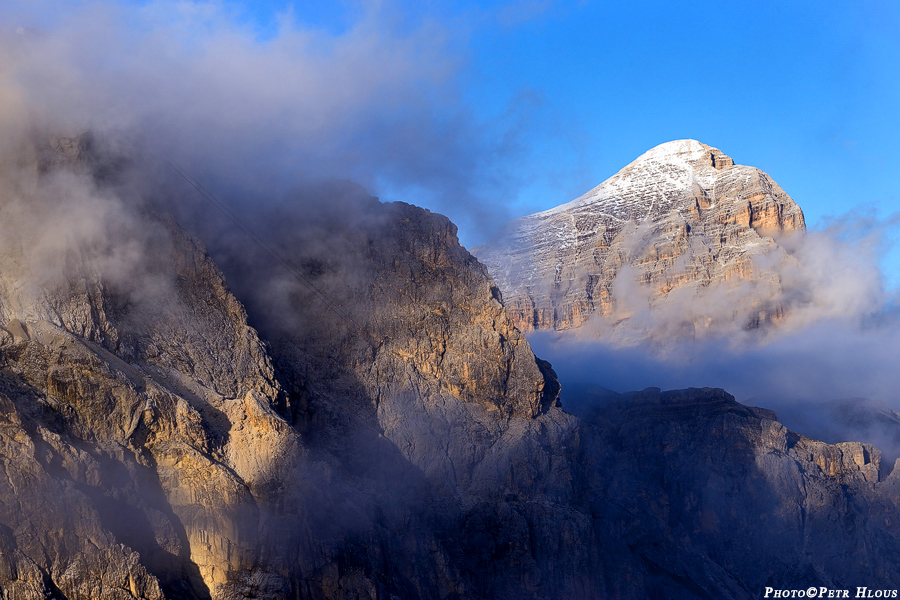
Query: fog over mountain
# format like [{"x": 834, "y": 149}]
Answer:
[
  {"x": 684, "y": 269},
  {"x": 377, "y": 103},
  {"x": 228, "y": 371},
  {"x": 682, "y": 244}
]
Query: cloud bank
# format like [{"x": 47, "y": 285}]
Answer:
[
  {"x": 838, "y": 340},
  {"x": 378, "y": 103}
]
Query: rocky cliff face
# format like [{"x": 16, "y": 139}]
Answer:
[
  {"x": 139, "y": 433},
  {"x": 153, "y": 449},
  {"x": 659, "y": 246},
  {"x": 713, "y": 499},
  {"x": 388, "y": 433},
  {"x": 414, "y": 389}
]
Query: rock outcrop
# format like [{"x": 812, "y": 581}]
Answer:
[{"x": 656, "y": 249}]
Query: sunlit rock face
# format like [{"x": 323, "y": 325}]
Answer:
[
  {"x": 662, "y": 245},
  {"x": 136, "y": 435}
]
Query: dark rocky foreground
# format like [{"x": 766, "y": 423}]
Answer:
[{"x": 162, "y": 437}]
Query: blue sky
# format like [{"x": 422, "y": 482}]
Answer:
[
  {"x": 807, "y": 91},
  {"x": 540, "y": 100}
]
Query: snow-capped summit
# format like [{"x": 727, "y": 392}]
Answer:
[{"x": 679, "y": 222}]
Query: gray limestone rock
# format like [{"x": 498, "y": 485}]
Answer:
[{"x": 678, "y": 243}]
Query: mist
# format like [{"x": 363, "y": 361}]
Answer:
[
  {"x": 255, "y": 116},
  {"x": 832, "y": 354},
  {"x": 102, "y": 108},
  {"x": 263, "y": 121},
  {"x": 825, "y": 361}
]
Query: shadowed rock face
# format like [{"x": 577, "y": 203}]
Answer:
[
  {"x": 397, "y": 441},
  {"x": 678, "y": 224},
  {"x": 412, "y": 386},
  {"x": 713, "y": 499}
]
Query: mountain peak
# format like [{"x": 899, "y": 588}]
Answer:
[
  {"x": 681, "y": 220},
  {"x": 689, "y": 151}
]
